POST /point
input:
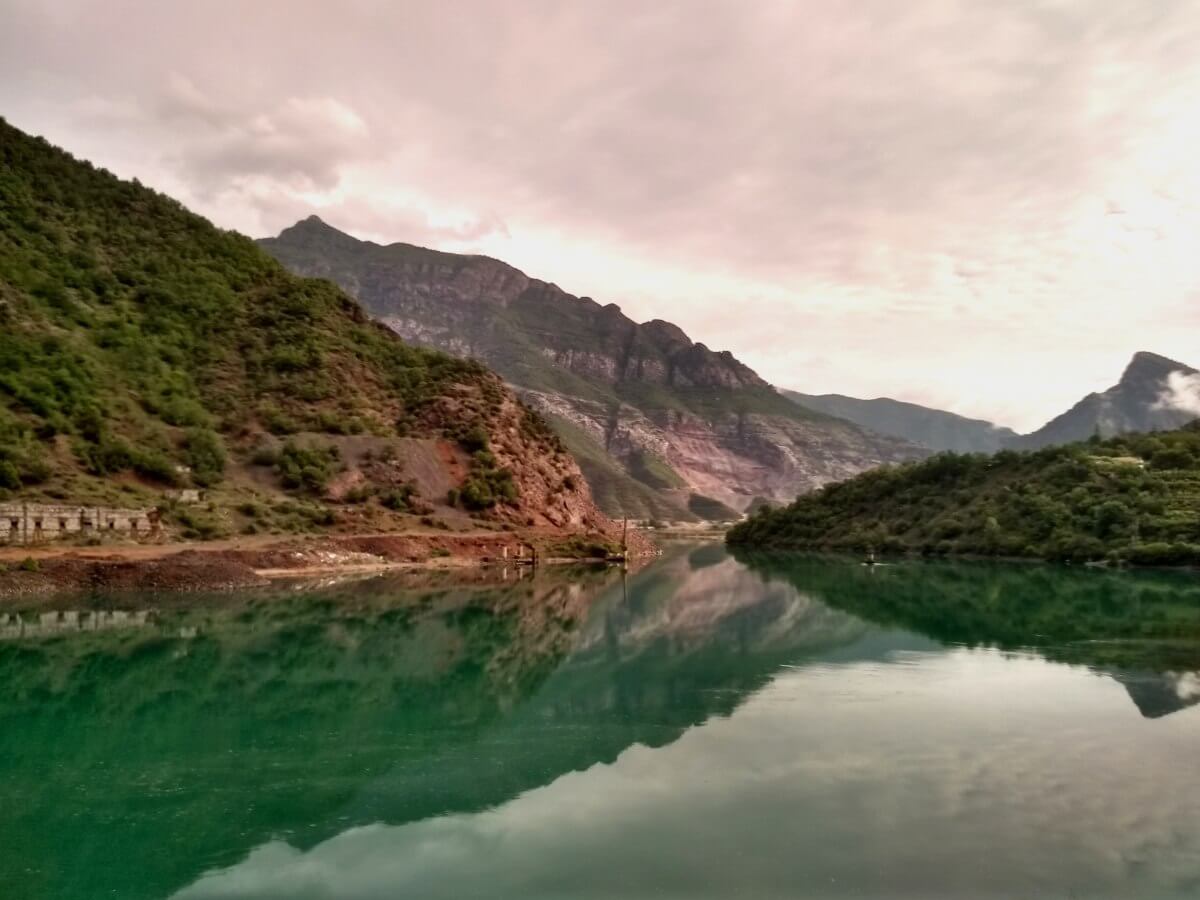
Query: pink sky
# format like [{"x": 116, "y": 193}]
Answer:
[{"x": 980, "y": 206}]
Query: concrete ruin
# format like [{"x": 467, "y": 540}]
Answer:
[{"x": 35, "y": 523}]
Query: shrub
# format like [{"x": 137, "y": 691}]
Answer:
[
  {"x": 485, "y": 487},
  {"x": 359, "y": 494},
  {"x": 155, "y": 466},
  {"x": 182, "y": 411},
  {"x": 197, "y": 524},
  {"x": 278, "y": 422},
  {"x": 486, "y": 484},
  {"x": 206, "y": 456},
  {"x": 113, "y": 455},
  {"x": 308, "y": 468},
  {"x": 265, "y": 456},
  {"x": 474, "y": 439},
  {"x": 9, "y": 476},
  {"x": 1173, "y": 458},
  {"x": 400, "y": 499},
  {"x": 35, "y": 470}
]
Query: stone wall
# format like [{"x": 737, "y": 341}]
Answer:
[{"x": 33, "y": 523}]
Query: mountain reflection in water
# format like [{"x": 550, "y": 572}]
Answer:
[
  {"x": 1142, "y": 628},
  {"x": 701, "y": 728}
]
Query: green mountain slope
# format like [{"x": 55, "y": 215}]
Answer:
[
  {"x": 1134, "y": 498},
  {"x": 143, "y": 349},
  {"x": 638, "y": 391},
  {"x": 932, "y": 428}
]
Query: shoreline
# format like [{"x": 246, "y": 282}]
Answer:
[
  {"x": 28, "y": 573},
  {"x": 882, "y": 559}
]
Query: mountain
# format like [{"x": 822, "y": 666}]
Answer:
[
  {"x": 1130, "y": 498},
  {"x": 1161, "y": 694},
  {"x": 662, "y": 425},
  {"x": 1135, "y": 403},
  {"x": 932, "y": 428},
  {"x": 143, "y": 350}
]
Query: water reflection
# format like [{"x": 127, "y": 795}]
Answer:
[
  {"x": 1141, "y": 628},
  {"x": 15, "y": 626},
  {"x": 701, "y": 728}
]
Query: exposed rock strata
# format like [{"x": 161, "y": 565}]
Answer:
[{"x": 709, "y": 424}]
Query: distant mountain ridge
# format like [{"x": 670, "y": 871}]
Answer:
[
  {"x": 933, "y": 428},
  {"x": 1138, "y": 402},
  {"x": 1133, "y": 404},
  {"x": 661, "y": 425}
]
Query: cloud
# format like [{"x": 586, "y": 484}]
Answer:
[
  {"x": 1181, "y": 392},
  {"x": 298, "y": 143},
  {"x": 939, "y": 181}
]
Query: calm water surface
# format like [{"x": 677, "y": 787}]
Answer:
[{"x": 708, "y": 727}]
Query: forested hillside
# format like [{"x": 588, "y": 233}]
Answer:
[
  {"x": 1133, "y": 498},
  {"x": 142, "y": 349}
]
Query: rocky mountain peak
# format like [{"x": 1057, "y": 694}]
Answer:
[
  {"x": 314, "y": 230},
  {"x": 666, "y": 333},
  {"x": 1132, "y": 404},
  {"x": 1147, "y": 366}
]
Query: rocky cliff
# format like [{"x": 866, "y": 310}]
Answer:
[{"x": 661, "y": 425}]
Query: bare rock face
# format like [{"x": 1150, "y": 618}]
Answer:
[
  {"x": 732, "y": 458},
  {"x": 662, "y": 410},
  {"x": 551, "y": 490}
]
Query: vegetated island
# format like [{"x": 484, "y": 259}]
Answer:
[
  {"x": 1132, "y": 499},
  {"x": 163, "y": 380}
]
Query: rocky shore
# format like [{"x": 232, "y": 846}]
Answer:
[{"x": 27, "y": 573}]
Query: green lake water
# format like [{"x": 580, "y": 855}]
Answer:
[{"x": 706, "y": 727}]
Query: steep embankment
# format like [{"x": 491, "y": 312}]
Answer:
[
  {"x": 659, "y": 422},
  {"x": 144, "y": 351},
  {"x": 932, "y": 428},
  {"x": 1132, "y": 498}
]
